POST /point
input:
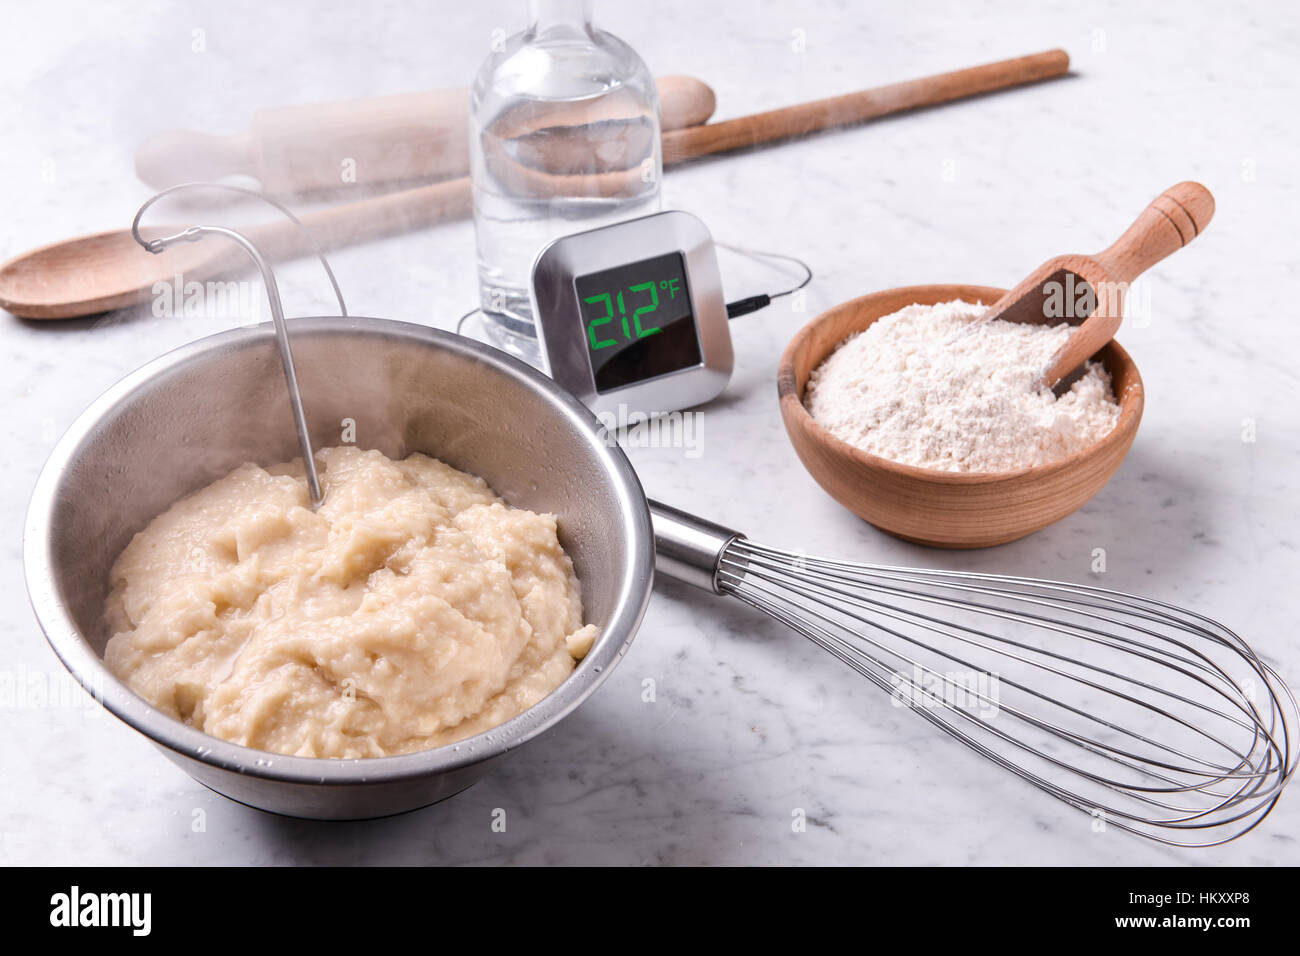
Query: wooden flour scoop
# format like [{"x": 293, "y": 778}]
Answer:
[{"x": 1088, "y": 291}]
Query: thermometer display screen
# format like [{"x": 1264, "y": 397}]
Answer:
[{"x": 637, "y": 321}]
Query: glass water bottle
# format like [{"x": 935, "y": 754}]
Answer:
[{"x": 564, "y": 137}]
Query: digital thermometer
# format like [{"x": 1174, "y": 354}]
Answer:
[{"x": 633, "y": 314}]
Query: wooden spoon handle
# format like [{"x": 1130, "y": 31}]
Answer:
[
  {"x": 414, "y": 208},
  {"x": 861, "y": 106},
  {"x": 1172, "y": 220},
  {"x": 364, "y": 220}
]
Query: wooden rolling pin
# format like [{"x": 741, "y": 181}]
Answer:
[
  {"x": 382, "y": 141},
  {"x": 110, "y": 271}
]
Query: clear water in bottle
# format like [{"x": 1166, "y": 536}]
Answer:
[{"x": 564, "y": 137}]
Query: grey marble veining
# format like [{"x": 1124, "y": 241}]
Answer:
[{"x": 749, "y": 723}]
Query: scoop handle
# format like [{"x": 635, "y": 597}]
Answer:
[{"x": 1172, "y": 220}]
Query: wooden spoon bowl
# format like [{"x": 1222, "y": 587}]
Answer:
[{"x": 940, "y": 508}]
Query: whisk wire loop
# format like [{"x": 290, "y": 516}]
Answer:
[{"x": 1155, "y": 719}]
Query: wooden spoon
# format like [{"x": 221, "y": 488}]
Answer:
[
  {"x": 109, "y": 270},
  {"x": 1088, "y": 291}
]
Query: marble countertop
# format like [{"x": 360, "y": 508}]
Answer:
[{"x": 749, "y": 722}]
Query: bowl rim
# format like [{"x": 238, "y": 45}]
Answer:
[
  {"x": 89, "y": 669},
  {"x": 796, "y": 414}
]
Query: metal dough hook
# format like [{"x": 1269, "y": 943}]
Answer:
[{"x": 194, "y": 234}]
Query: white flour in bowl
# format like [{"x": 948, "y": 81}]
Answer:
[{"x": 906, "y": 390}]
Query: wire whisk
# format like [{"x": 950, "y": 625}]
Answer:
[{"x": 1151, "y": 718}]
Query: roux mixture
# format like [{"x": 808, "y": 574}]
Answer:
[{"x": 414, "y": 609}]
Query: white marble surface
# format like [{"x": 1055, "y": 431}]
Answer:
[{"x": 750, "y": 722}]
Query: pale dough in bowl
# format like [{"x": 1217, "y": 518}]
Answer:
[{"x": 414, "y": 609}]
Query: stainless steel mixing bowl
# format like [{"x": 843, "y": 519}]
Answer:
[{"x": 194, "y": 414}]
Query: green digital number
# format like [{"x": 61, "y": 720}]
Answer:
[
  {"x": 603, "y": 320},
  {"x": 644, "y": 310}
]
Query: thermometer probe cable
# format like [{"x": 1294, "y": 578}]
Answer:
[{"x": 755, "y": 302}]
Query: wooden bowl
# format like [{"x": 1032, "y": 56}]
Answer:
[{"x": 940, "y": 508}]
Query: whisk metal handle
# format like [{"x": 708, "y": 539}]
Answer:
[{"x": 688, "y": 548}]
